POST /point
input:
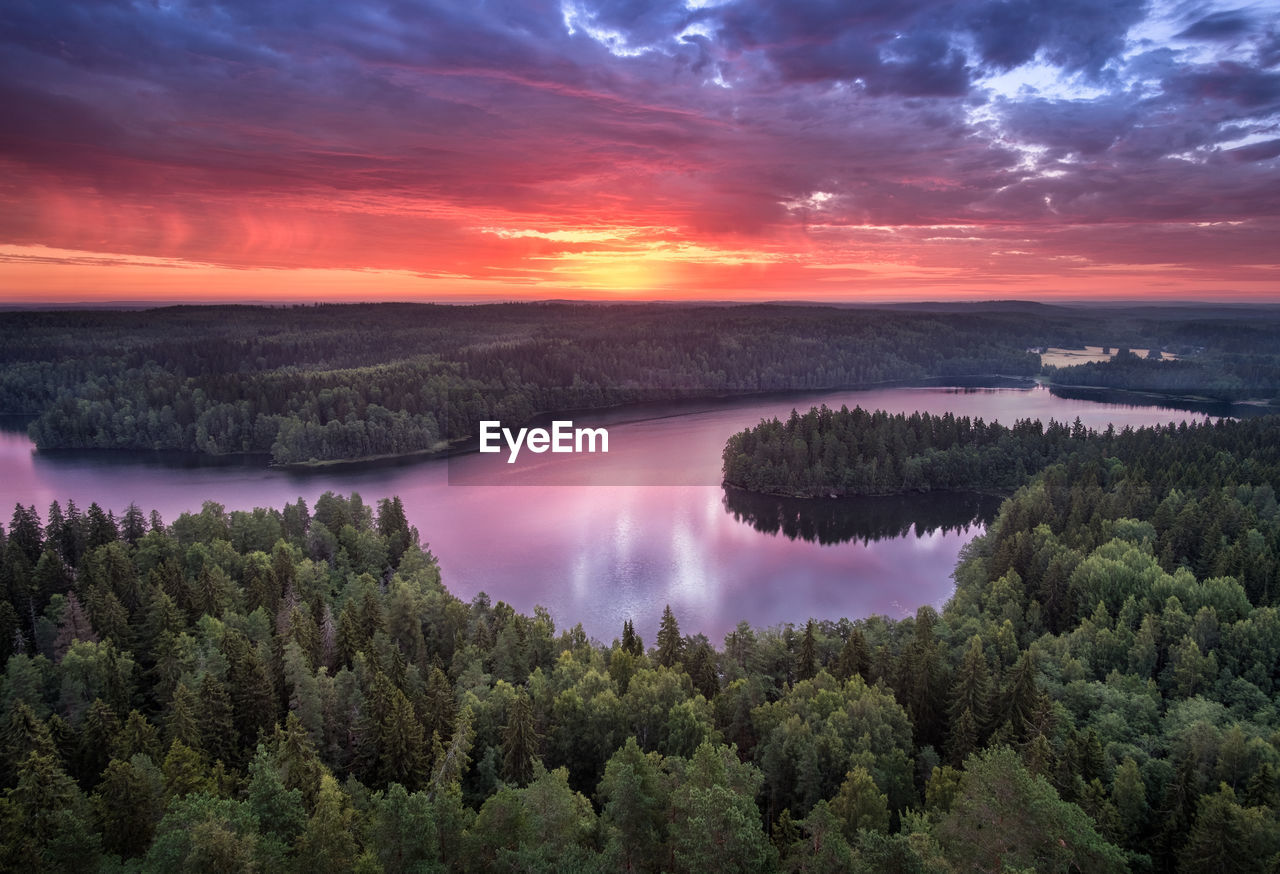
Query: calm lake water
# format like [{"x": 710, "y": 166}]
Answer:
[{"x": 600, "y": 539}]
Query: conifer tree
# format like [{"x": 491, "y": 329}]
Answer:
[
  {"x": 1129, "y": 795},
  {"x": 807, "y": 668},
  {"x": 855, "y": 657},
  {"x": 439, "y": 705},
  {"x": 54, "y": 531},
  {"x": 22, "y": 735},
  {"x": 1022, "y": 696},
  {"x": 1261, "y": 788},
  {"x": 133, "y": 526},
  {"x": 636, "y": 797},
  {"x": 297, "y": 760},
  {"x": 50, "y": 577},
  {"x": 26, "y": 533},
  {"x": 670, "y": 643},
  {"x": 47, "y": 825},
  {"x": 136, "y": 737},
  {"x": 101, "y": 527},
  {"x": 253, "y": 698},
  {"x": 98, "y": 731},
  {"x": 971, "y": 691},
  {"x": 403, "y": 745},
  {"x": 278, "y": 810},
  {"x": 519, "y": 742},
  {"x": 1229, "y": 837},
  {"x": 963, "y": 739},
  {"x": 75, "y": 535},
  {"x": 185, "y": 771},
  {"x": 183, "y": 721},
  {"x": 129, "y": 801},
  {"x": 327, "y": 845},
  {"x": 631, "y": 642},
  {"x": 218, "y": 737},
  {"x": 701, "y": 667},
  {"x": 73, "y": 625}
]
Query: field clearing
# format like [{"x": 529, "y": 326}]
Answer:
[{"x": 1067, "y": 357}]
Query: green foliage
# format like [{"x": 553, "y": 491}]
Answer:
[
  {"x": 1004, "y": 817},
  {"x": 204, "y": 834},
  {"x": 519, "y": 742},
  {"x": 716, "y": 822},
  {"x": 670, "y": 643},
  {"x": 1230, "y": 837},
  {"x": 636, "y": 796},
  {"x": 860, "y": 805},
  {"x": 809, "y": 737},
  {"x": 1103, "y": 677},
  {"x": 339, "y": 382}
]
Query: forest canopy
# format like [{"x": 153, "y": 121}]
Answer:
[
  {"x": 295, "y": 689},
  {"x": 339, "y": 382},
  {"x": 833, "y": 453}
]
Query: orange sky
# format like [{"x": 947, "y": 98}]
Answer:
[{"x": 713, "y": 150}]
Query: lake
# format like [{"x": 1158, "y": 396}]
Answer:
[{"x": 599, "y": 539}]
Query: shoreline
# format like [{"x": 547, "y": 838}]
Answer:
[{"x": 668, "y": 408}]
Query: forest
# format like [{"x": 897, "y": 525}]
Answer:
[
  {"x": 295, "y": 689},
  {"x": 862, "y": 519},
  {"x": 313, "y": 384},
  {"x": 834, "y": 453},
  {"x": 1238, "y": 377}
]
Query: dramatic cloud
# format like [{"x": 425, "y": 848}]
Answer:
[{"x": 709, "y": 148}]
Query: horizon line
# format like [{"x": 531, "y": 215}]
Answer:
[{"x": 275, "y": 303}]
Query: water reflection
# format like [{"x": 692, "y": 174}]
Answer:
[
  {"x": 830, "y": 521},
  {"x": 645, "y": 526},
  {"x": 1213, "y": 409}
]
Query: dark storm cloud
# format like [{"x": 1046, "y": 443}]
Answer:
[
  {"x": 1232, "y": 81},
  {"x": 1078, "y": 35},
  {"x": 1219, "y": 25},
  {"x": 891, "y": 48},
  {"x": 915, "y": 47},
  {"x": 1071, "y": 126},
  {"x": 720, "y": 120}
]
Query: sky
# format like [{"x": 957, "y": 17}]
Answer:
[{"x": 841, "y": 150}]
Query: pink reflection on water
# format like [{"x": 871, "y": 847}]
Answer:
[{"x": 595, "y": 554}]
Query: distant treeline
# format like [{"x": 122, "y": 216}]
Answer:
[
  {"x": 295, "y": 690},
  {"x": 339, "y": 382},
  {"x": 1227, "y": 377},
  {"x": 352, "y": 381}
]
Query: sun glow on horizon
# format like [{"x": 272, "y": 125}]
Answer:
[{"x": 710, "y": 149}]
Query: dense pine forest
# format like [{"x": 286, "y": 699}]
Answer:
[
  {"x": 295, "y": 689},
  {"x": 832, "y": 453},
  {"x": 1240, "y": 376},
  {"x": 335, "y": 382}
]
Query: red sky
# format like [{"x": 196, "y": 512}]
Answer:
[{"x": 772, "y": 149}]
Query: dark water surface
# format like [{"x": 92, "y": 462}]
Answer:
[{"x": 600, "y": 539}]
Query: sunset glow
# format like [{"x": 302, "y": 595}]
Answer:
[{"x": 740, "y": 150}]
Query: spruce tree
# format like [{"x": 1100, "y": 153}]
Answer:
[
  {"x": 218, "y": 735},
  {"x": 519, "y": 742},
  {"x": 807, "y": 668},
  {"x": 670, "y": 644},
  {"x": 971, "y": 691},
  {"x": 855, "y": 657}
]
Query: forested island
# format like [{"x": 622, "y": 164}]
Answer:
[
  {"x": 315, "y": 384},
  {"x": 296, "y": 689},
  {"x": 834, "y": 453}
]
